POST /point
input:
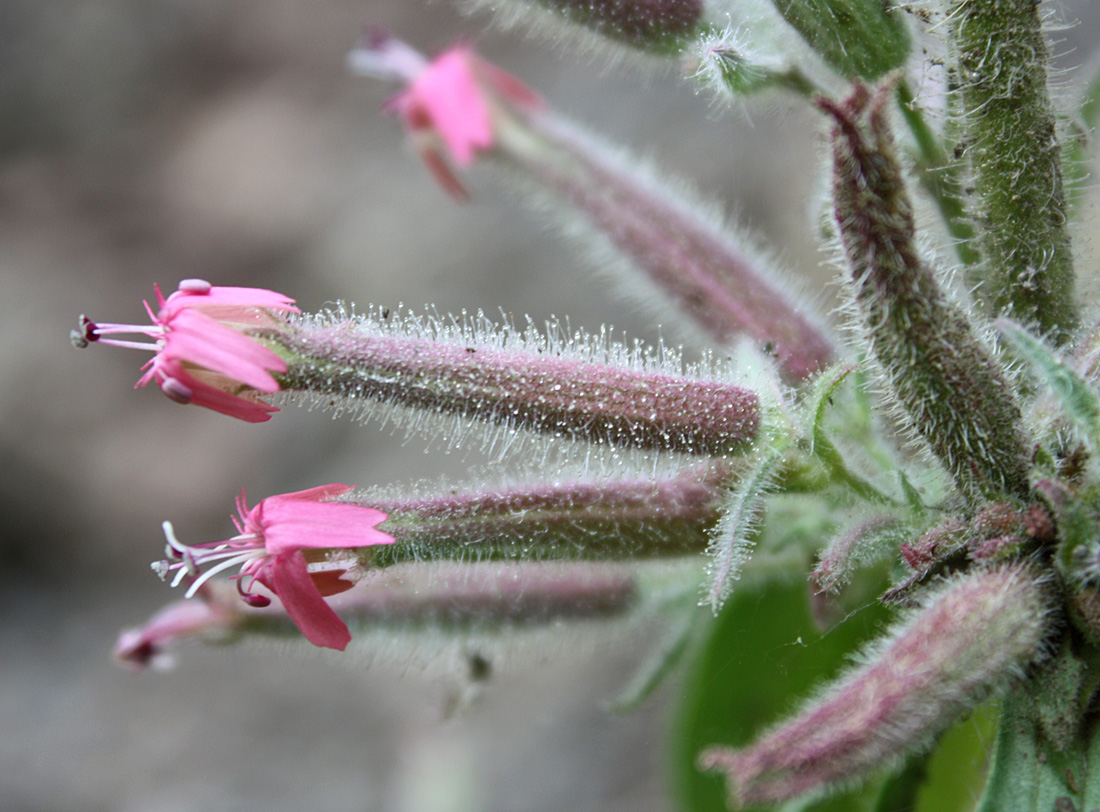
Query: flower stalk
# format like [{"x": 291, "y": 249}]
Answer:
[{"x": 1012, "y": 149}]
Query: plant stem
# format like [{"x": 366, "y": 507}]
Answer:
[{"x": 1011, "y": 141}]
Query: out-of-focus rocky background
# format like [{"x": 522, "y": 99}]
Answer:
[{"x": 146, "y": 142}]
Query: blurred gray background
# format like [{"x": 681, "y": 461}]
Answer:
[{"x": 146, "y": 142}]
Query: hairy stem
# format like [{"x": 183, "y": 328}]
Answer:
[{"x": 1013, "y": 150}]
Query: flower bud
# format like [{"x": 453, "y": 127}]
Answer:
[
  {"x": 948, "y": 383},
  {"x": 966, "y": 642},
  {"x": 458, "y": 107}
]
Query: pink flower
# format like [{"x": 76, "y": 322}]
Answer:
[
  {"x": 286, "y": 544},
  {"x": 201, "y": 355},
  {"x": 456, "y": 101},
  {"x": 150, "y": 644}
]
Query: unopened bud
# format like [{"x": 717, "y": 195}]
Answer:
[
  {"x": 968, "y": 641},
  {"x": 935, "y": 365}
]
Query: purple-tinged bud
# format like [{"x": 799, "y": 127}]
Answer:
[
  {"x": 446, "y": 596},
  {"x": 709, "y": 271},
  {"x": 573, "y": 387},
  {"x": 1038, "y": 524},
  {"x": 635, "y": 221},
  {"x": 1001, "y": 531},
  {"x": 970, "y": 639},
  {"x": 1000, "y": 548},
  {"x": 637, "y": 22},
  {"x": 998, "y": 519},
  {"x": 857, "y": 547},
  {"x": 950, "y": 386},
  {"x": 935, "y": 545},
  {"x": 438, "y": 598}
]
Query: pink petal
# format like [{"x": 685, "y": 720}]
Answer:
[
  {"x": 217, "y": 400},
  {"x": 224, "y": 297},
  {"x": 139, "y": 648},
  {"x": 198, "y": 339},
  {"x": 448, "y": 94},
  {"x": 290, "y": 580},
  {"x": 508, "y": 86},
  {"x": 249, "y": 409},
  {"x": 319, "y": 493},
  {"x": 442, "y": 172},
  {"x": 296, "y": 522}
]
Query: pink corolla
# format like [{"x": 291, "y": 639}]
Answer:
[
  {"x": 150, "y": 645},
  {"x": 201, "y": 355},
  {"x": 453, "y": 105},
  {"x": 290, "y": 544}
]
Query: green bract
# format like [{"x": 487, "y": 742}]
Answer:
[{"x": 860, "y": 39}]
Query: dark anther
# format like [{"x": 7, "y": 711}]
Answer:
[{"x": 85, "y": 334}]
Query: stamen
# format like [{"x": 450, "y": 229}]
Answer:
[
  {"x": 174, "y": 549},
  {"x": 383, "y": 56},
  {"x": 180, "y": 573},
  {"x": 129, "y": 345},
  {"x": 242, "y": 558},
  {"x": 85, "y": 334}
]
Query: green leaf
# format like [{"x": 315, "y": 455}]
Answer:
[
  {"x": 899, "y": 792},
  {"x": 1078, "y": 400},
  {"x": 1080, "y": 150},
  {"x": 822, "y": 446},
  {"x": 1030, "y": 775},
  {"x": 858, "y": 38},
  {"x": 911, "y": 494},
  {"x": 762, "y": 656},
  {"x": 733, "y": 539},
  {"x": 957, "y": 768},
  {"x": 657, "y": 665}
]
